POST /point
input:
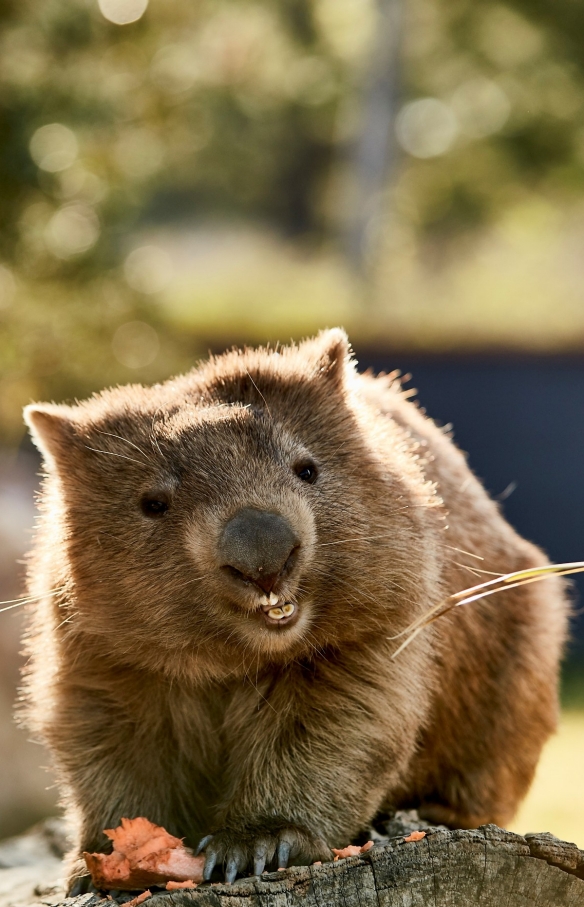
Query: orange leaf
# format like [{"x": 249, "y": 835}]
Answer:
[
  {"x": 416, "y": 836},
  {"x": 141, "y": 897},
  {"x": 144, "y": 854},
  {"x": 351, "y": 850}
]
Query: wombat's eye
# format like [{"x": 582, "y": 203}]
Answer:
[
  {"x": 154, "y": 505},
  {"x": 306, "y": 471}
]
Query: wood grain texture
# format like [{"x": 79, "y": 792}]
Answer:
[{"x": 487, "y": 867}]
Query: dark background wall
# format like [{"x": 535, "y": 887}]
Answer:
[{"x": 521, "y": 420}]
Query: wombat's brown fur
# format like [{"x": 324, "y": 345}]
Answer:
[{"x": 164, "y": 689}]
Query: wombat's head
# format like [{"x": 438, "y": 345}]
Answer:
[{"x": 227, "y": 514}]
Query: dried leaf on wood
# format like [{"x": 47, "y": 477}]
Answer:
[{"x": 143, "y": 854}]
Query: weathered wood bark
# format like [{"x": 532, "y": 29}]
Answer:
[{"x": 487, "y": 867}]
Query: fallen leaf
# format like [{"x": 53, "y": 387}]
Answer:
[
  {"x": 351, "y": 850},
  {"x": 143, "y": 854},
  {"x": 416, "y": 836},
  {"x": 141, "y": 897},
  {"x": 173, "y": 886}
]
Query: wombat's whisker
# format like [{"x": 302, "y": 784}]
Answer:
[
  {"x": 466, "y": 567},
  {"x": 356, "y": 538},
  {"x": 67, "y": 620},
  {"x": 189, "y": 582},
  {"x": 365, "y": 538},
  {"x": 123, "y": 542},
  {"x": 153, "y": 438},
  {"x": 154, "y": 442},
  {"x": 112, "y": 454},
  {"x": 18, "y": 604},
  {"x": 477, "y": 570},
  {"x": 254, "y": 685},
  {"x": 462, "y": 551},
  {"x": 27, "y": 599},
  {"x": 259, "y": 392},
  {"x": 359, "y": 590},
  {"x": 126, "y": 441},
  {"x": 21, "y": 600},
  {"x": 482, "y": 590}
]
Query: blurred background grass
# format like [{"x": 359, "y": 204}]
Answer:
[{"x": 177, "y": 177}]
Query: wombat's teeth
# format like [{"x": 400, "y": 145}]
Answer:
[
  {"x": 283, "y": 611},
  {"x": 272, "y": 600}
]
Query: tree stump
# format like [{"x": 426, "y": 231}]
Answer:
[{"x": 486, "y": 867}]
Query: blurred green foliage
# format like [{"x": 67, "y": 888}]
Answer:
[
  {"x": 573, "y": 686},
  {"x": 114, "y": 138}
]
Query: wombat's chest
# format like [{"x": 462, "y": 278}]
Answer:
[
  {"x": 210, "y": 724},
  {"x": 210, "y": 732}
]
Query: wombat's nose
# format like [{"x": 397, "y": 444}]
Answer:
[{"x": 258, "y": 545}]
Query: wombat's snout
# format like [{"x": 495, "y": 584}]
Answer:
[{"x": 258, "y": 546}]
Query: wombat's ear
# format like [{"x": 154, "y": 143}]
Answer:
[
  {"x": 52, "y": 430},
  {"x": 333, "y": 353}
]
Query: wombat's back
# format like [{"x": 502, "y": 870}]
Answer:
[{"x": 496, "y": 698}]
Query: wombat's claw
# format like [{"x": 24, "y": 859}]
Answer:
[
  {"x": 239, "y": 849},
  {"x": 284, "y": 849},
  {"x": 210, "y": 861},
  {"x": 236, "y": 862},
  {"x": 82, "y": 885},
  {"x": 235, "y": 858},
  {"x": 260, "y": 856},
  {"x": 231, "y": 870},
  {"x": 202, "y": 844}
]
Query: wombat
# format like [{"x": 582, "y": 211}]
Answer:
[{"x": 222, "y": 564}]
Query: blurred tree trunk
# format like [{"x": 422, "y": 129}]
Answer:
[{"x": 374, "y": 152}]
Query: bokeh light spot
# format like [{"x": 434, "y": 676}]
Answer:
[
  {"x": 148, "y": 269},
  {"x": 122, "y": 12},
  {"x": 53, "y": 147},
  {"x": 175, "y": 68},
  {"x": 509, "y": 39},
  {"x": 426, "y": 128},
  {"x": 72, "y": 230},
  {"x": 481, "y": 107},
  {"x": 135, "y": 344},
  {"x": 83, "y": 184}
]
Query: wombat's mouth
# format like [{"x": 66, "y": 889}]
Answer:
[{"x": 277, "y": 612}]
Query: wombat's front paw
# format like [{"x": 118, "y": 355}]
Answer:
[
  {"x": 256, "y": 846},
  {"x": 78, "y": 879},
  {"x": 80, "y": 885}
]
